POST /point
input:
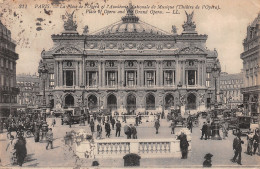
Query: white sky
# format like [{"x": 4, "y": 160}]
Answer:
[{"x": 226, "y": 28}]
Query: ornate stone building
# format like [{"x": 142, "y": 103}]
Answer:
[
  {"x": 251, "y": 70},
  {"x": 8, "y": 57},
  {"x": 128, "y": 66},
  {"x": 29, "y": 86},
  {"x": 230, "y": 85}
]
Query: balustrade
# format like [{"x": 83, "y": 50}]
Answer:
[{"x": 117, "y": 148}]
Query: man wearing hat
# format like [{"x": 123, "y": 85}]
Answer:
[
  {"x": 184, "y": 144},
  {"x": 237, "y": 147}
]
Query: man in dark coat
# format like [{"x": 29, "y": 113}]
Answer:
[
  {"x": 113, "y": 123},
  {"x": 20, "y": 149},
  {"x": 108, "y": 129},
  {"x": 49, "y": 136},
  {"x": 118, "y": 128},
  {"x": 127, "y": 131},
  {"x": 256, "y": 140},
  {"x": 184, "y": 144},
  {"x": 133, "y": 131},
  {"x": 204, "y": 131},
  {"x": 37, "y": 132},
  {"x": 92, "y": 125},
  {"x": 157, "y": 125},
  {"x": 237, "y": 147}
]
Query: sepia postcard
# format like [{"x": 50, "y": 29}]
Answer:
[{"x": 129, "y": 83}]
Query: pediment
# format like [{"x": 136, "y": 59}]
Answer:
[
  {"x": 191, "y": 50},
  {"x": 68, "y": 50}
]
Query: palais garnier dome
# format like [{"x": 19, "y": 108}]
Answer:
[{"x": 130, "y": 24}]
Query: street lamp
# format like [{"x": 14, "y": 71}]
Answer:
[
  {"x": 216, "y": 122},
  {"x": 44, "y": 74}
]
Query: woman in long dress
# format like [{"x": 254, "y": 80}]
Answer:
[{"x": 10, "y": 150}]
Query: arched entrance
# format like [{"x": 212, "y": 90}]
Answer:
[
  {"x": 111, "y": 102},
  {"x": 150, "y": 102},
  {"x": 92, "y": 103},
  {"x": 131, "y": 103},
  {"x": 191, "y": 102},
  {"x": 169, "y": 101},
  {"x": 69, "y": 101}
]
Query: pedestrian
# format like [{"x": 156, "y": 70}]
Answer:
[
  {"x": 133, "y": 131},
  {"x": 237, "y": 147},
  {"x": 113, "y": 123},
  {"x": 256, "y": 140},
  {"x": 53, "y": 122},
  {"x": 173, "y": 125},
  {"x": 157, "y": 125},
  {"x": 108, "y": 129},
  {"x": 118, "y": 128},
  {"x": 250, "y": 144},
  {"x": 103, "y": 119},
  {"x": 184, "y": 144},
  {"x": 204, "y": 131},
  {"x": 127, "y": 131},
  {"x": 92, "y": 125},
  {"x": 190, "y": 125},
  {"x": 10, "y": 150},
  {"x": 20, "y": 150},
  {"x": 140, "y": 118},
  {"x": 224, "y": 131},
  {"x": 207, "y": 162},
  {"x": 209, "y": 133},
  {"x": 49, "y": 136},
  {"x": 136, "y": 120},
  {"x": 37, "y": 132},
  {"x": 124, "y": 116},
  {"x": 88, "y": 117},
  {"x": 99, "y": 131}
]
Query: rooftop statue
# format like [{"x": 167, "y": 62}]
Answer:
[
  {"x": 69, "y": 24},
  {"x": 189, "y": 26}
]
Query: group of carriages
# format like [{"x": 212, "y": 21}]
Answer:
[{"x": 22, "y": 124}]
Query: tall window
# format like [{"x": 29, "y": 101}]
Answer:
[
  {"x": 168, "y": 77},
  {"x": 191, "y": 77},
  {"x": 69, "y": 77},
  {"x": 2, "y": 80},
  {"x": 150, "y": 78},
  {"x": 111, "y": 78},
  {"x": 11, "y": 65},
  {"x": 51, "y": 84},
  {"x": 130, "y": 78},
  {"x": 208, "y": 83},
  {"x": 52, "y": 76},
  {"x": 2, "y": 62},
  {"x": 7, "y": 63},
  {"x": 92, "y": 79}
]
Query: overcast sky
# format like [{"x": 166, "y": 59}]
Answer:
[{"x": 32, "y": 27}]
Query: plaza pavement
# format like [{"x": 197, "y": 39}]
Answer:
[{"x": 60, "y": 156}]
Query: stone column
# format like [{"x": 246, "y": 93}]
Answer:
[
  {"x": 161, "y": 73},
  {"x": 123, "y": 73},
  {"x": 103, "y": 74},
  {"x": 80, "y": 74},
  {"x": 76, "y": 76},
  {"x": 99, "y": 73},
  {"x": 142, "y": 73},
  {"x": 119, "y": 83},
  {"x": 177, "y": 74},
  {"x": 56, "y": 77},
  {"x": 138, "y": 73},
  {"x": 198, "y": 73},
  {"x": 157, "y": 74},
  {"x": 61, "y": 74}
]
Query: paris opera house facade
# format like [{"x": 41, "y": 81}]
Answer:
[{"x": 129, "y": 66}]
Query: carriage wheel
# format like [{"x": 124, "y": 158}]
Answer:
[{"x": 28, "y": 133}]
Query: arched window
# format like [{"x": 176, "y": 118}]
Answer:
[
  {"x": 69, "y": 100},
  {"x": 191, "y": 102},
  {"x": 111, "y": 102},
  {"x": 150, "y": 102}
]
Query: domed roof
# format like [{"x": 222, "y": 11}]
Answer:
[{"x": 130, "y": 24}]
